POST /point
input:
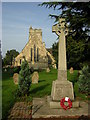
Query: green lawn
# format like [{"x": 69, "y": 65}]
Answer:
[
  {"x": 43, "y": 88},
  {"x": 45, "y": 82},
  {"x": 8, "y": 91}
]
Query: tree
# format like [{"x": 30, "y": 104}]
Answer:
[
  {"x": 84, "y": 80},
  {"x": 75, "y": 53},
  {"x": 55, "y": 52},
  {"x": 77, "y": 17},
  {"x": 10, "y": 55},
  {"x": 24, "y": 78}
]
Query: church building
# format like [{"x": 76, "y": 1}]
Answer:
[{"x": 35, "y": 52}]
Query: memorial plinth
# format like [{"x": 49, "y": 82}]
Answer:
[{"x": 62, "y": 89}]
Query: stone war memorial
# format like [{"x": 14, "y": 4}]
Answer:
[
  {"x": 50, "y": 106},
  {"x": 45, "y": 61},
  {"x": 61, "y": 87}
]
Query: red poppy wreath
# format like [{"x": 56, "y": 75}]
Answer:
[{"x": 66, "y": 99}]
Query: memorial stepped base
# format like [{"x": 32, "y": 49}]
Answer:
[
  {"x": 55, "y": 104},
  {"x": 41, "y": 109}
]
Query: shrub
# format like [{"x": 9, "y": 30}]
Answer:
[
  {"x": 24, "y": 78},
  {"x": 84, "y": 80},
  {"x": 16, "y": 69}
]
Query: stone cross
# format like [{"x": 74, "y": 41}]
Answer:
[
  {"x": 61, "y": 31},
  {"x": 61, "y": 87}
]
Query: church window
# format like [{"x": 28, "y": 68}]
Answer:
[
  {"x": 34, "y": 53},
  {"x": 20, "y": 61},
  {"x": 37, "y": 54},
  {"x": 31, "y": 54}
]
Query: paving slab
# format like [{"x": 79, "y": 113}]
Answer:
[{"x": 41, "y": 109}]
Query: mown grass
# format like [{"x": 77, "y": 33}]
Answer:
[
  {"x": 8, "y": 92},
  {"x": 43, "y": 88},
  {"x": 45, "y": 82}
]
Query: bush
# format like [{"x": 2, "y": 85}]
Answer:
[
  {"x": 16, "y": 69},
  {"x": 84, "y": 80},
  {"x": 24, "y": 78}
]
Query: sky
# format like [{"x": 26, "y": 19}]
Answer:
[{"x": 17, "y": 17}]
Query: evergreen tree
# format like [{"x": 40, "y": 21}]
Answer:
[
  {"x": 84, "y": 80},
  {"x": 76, "y": 53},
  {"x": 24, "y": 78},
  {"x": 55, "y": 52},
  {"x": 77, "y": 16}
]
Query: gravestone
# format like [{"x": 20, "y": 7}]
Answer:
[
  {"x": 61, "y": 87},
  {"x": 71, "y": 70},
  {"x": 35, "y": 77},
  {"x": 54, "y": 66},
  {"x": 47, "y": 70},
  {"x": 15, "y": 78},
  {"x": 5, "y": 70}
]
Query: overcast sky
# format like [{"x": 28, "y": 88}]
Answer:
[{"x": 17, "y": 17}]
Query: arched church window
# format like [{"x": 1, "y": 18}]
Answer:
[
  {"x": 31, "y": 54},
  {"x": 20, "y": 61},
  {"x": 37, "y": 54},
  {"x": 34, "y": 53}
]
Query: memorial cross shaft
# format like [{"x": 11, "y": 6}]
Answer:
[
  {"x": 61, "y": 31},
  {"x": 61, "y": 87}
]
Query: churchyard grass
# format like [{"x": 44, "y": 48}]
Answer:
[
  {"x": 8, "y": 92},
  {"x": 43, "y": 88}
]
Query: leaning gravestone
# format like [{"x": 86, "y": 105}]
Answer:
[
  {"x": 15, "y": 78},
  {"x": 71, "y": 70},
  {"x": 35, "y": 77},
  {"x": 61, "y": 87}
]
